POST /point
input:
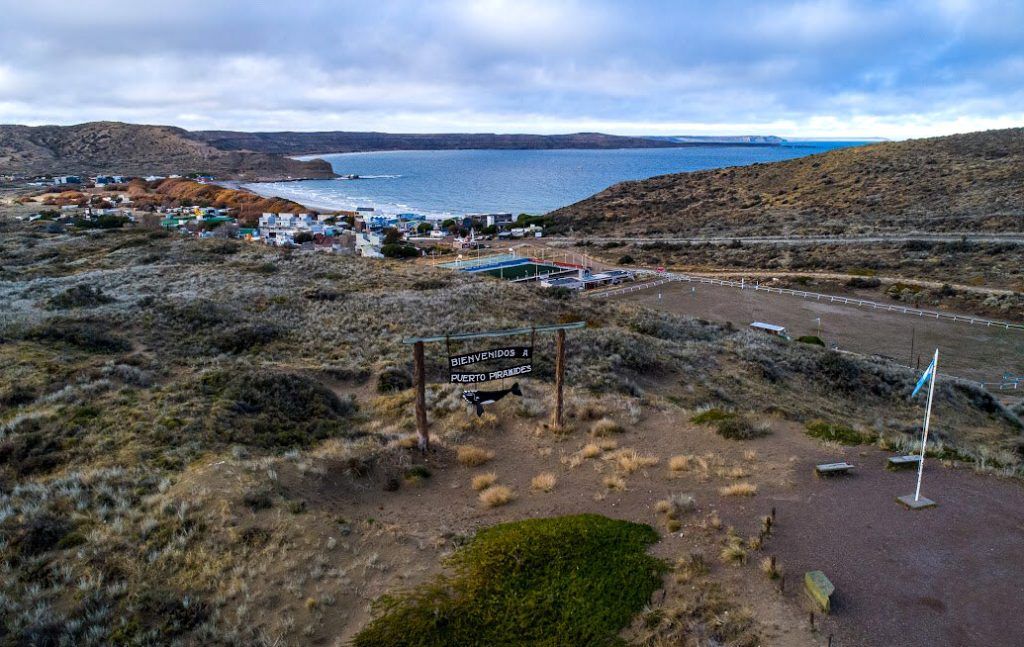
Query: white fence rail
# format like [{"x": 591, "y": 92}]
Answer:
[{"x": 863, "y": 303}]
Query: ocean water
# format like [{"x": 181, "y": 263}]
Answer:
[{"x": 440, "y": 183}]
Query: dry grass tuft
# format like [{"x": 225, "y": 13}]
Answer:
[
  {"x": 472, "y": 456},
  {"x": 484, "y": 481},
  {"x": 750, "y": 455},
  {"x": 679, "y": 463},
  {"x": 497, "y": 495},
  {"x": 606, "y": 427},
  {"x": 690, "y": 568},
  {"x": 630, "y": 460},
  {"x": 675, "y": 505},
  {"x": 590, "y": 410},
  {"x": 563, "y": 430},
  {"x": 614, "y": 482},
  {"x": 734, "y": 554},
  {"x": 738, "y": 489},
  {"x": 544, "y": 482},
  {"x": 590, "y": 450},
  {"x": 608, "y": 444},
  {"x": 770, "y": 568},
  {"x": 713, "y": 521},
  {"x": 736, "y": 473}
]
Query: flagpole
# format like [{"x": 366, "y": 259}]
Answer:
[{"x": 927, "y": 421}]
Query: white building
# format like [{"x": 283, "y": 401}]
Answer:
[
  {"x": 368, "y": 244},
  {"x": 281, "y": 228}
]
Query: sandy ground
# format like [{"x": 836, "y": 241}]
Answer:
[
  {"x": 975, "y": 352},
  {"x": 946, "y": 576}
]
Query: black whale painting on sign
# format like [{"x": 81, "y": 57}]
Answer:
[{"x": 479, "y": 398}]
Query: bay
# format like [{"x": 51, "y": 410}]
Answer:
[{"x": 452, "y": 182}]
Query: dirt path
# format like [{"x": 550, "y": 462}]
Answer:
[
  {"x": 952, "y": 237},
  {"x": 837, "y": 276}
]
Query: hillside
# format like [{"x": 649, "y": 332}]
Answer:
[
  {"x": 208, "y": 442},
  {"x": 961, "y": 183},
  {"x": 310, "y": 143},
  {"x": 130, "y": 149}
]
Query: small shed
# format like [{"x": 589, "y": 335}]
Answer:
[{"x": 771, "y": 329}]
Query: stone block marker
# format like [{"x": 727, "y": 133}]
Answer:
[
  {"x": 900, "y": 462},
  {"x": 829, "y": 469},
  {"x": 819, "y": 588},
  {"x": 919, "y": 503}
]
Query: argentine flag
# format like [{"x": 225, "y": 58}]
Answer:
[{"x": 928, "y": 373}]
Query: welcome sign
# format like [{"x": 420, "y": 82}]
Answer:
[{"x": 522, "y": 354}]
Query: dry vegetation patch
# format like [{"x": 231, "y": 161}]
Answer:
[
  {"x": 544, "y": 482},
  {"x": 497, "y": 495},
  {"x": 484, "y": 481},
  {"x": 473, "y": 456},
  {"x": 738, "y": 489}
]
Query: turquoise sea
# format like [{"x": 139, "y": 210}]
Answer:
[{"x": 518, "y": 181}]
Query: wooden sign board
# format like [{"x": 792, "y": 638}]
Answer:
[
  {"x": 494, "y": 354},
  {"x": 507, "y": 353}
]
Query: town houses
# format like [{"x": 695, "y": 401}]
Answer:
[{"x": 106, "y": 200}]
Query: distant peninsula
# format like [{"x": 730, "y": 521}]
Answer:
[
  {"x": 143, "y": 150},
  {"x": 316, "y": 143}
]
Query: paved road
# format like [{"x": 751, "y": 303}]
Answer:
[{"x": 1016, "y": 238}]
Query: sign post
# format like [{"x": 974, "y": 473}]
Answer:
[
  {"x": 419, "y": 380},
  {"x": 559, "y": 375},
  {"x": 520, "y": 353}
]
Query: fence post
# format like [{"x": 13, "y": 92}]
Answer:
[
  {"x": 419, "y": 377},
  {"x": 559, "y": 375}
]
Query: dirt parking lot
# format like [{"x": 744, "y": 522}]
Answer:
[{"x": 971, "y": 351}]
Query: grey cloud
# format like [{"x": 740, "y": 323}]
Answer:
[{"x": 632, "y": 67}]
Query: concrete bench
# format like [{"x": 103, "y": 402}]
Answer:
[
  {"x": 899, "y": 462},
  {"x": 828, "y": 469},
  {"x": 820, "y": 589}
]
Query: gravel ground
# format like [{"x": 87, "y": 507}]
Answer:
[{"x": 949, "y": 575}]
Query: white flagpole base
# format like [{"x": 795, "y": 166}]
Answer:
[{"x": 919, "y": 504}]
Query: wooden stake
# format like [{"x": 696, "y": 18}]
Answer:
[
  {"x": 559, "y": 375},
  {"x": 420, "y": 383}
]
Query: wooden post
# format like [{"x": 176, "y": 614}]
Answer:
[
  {"x": 559, "y": 375},
  {"x": 420, "y": 383}
]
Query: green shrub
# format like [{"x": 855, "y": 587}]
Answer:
[
  {"x": 399, "y": 250},
  {"x": 711, "y": 416},
  {"x": 86, "y": 335},
  {"x": 842, "y": 372},
  {"x": 859, "y": 282},
  {"x": 393, "y": 379},
  {"x": 41, "y": 534},
  {"x": 739, "y": 428},
  {"x": 256, "y": 500},
  {"x": 417, "y": 472},
  {"x": 814, "y": 340},
  {"x": 838, "y": 432},
  {"x": 78, "y": 296},
  {"x": 273, "y": 408},
  {"x": 574, "y": 580},
  {"x": 243, "y": 337}
]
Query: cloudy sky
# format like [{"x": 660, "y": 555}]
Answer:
[{"x": 812, "y": 68}]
